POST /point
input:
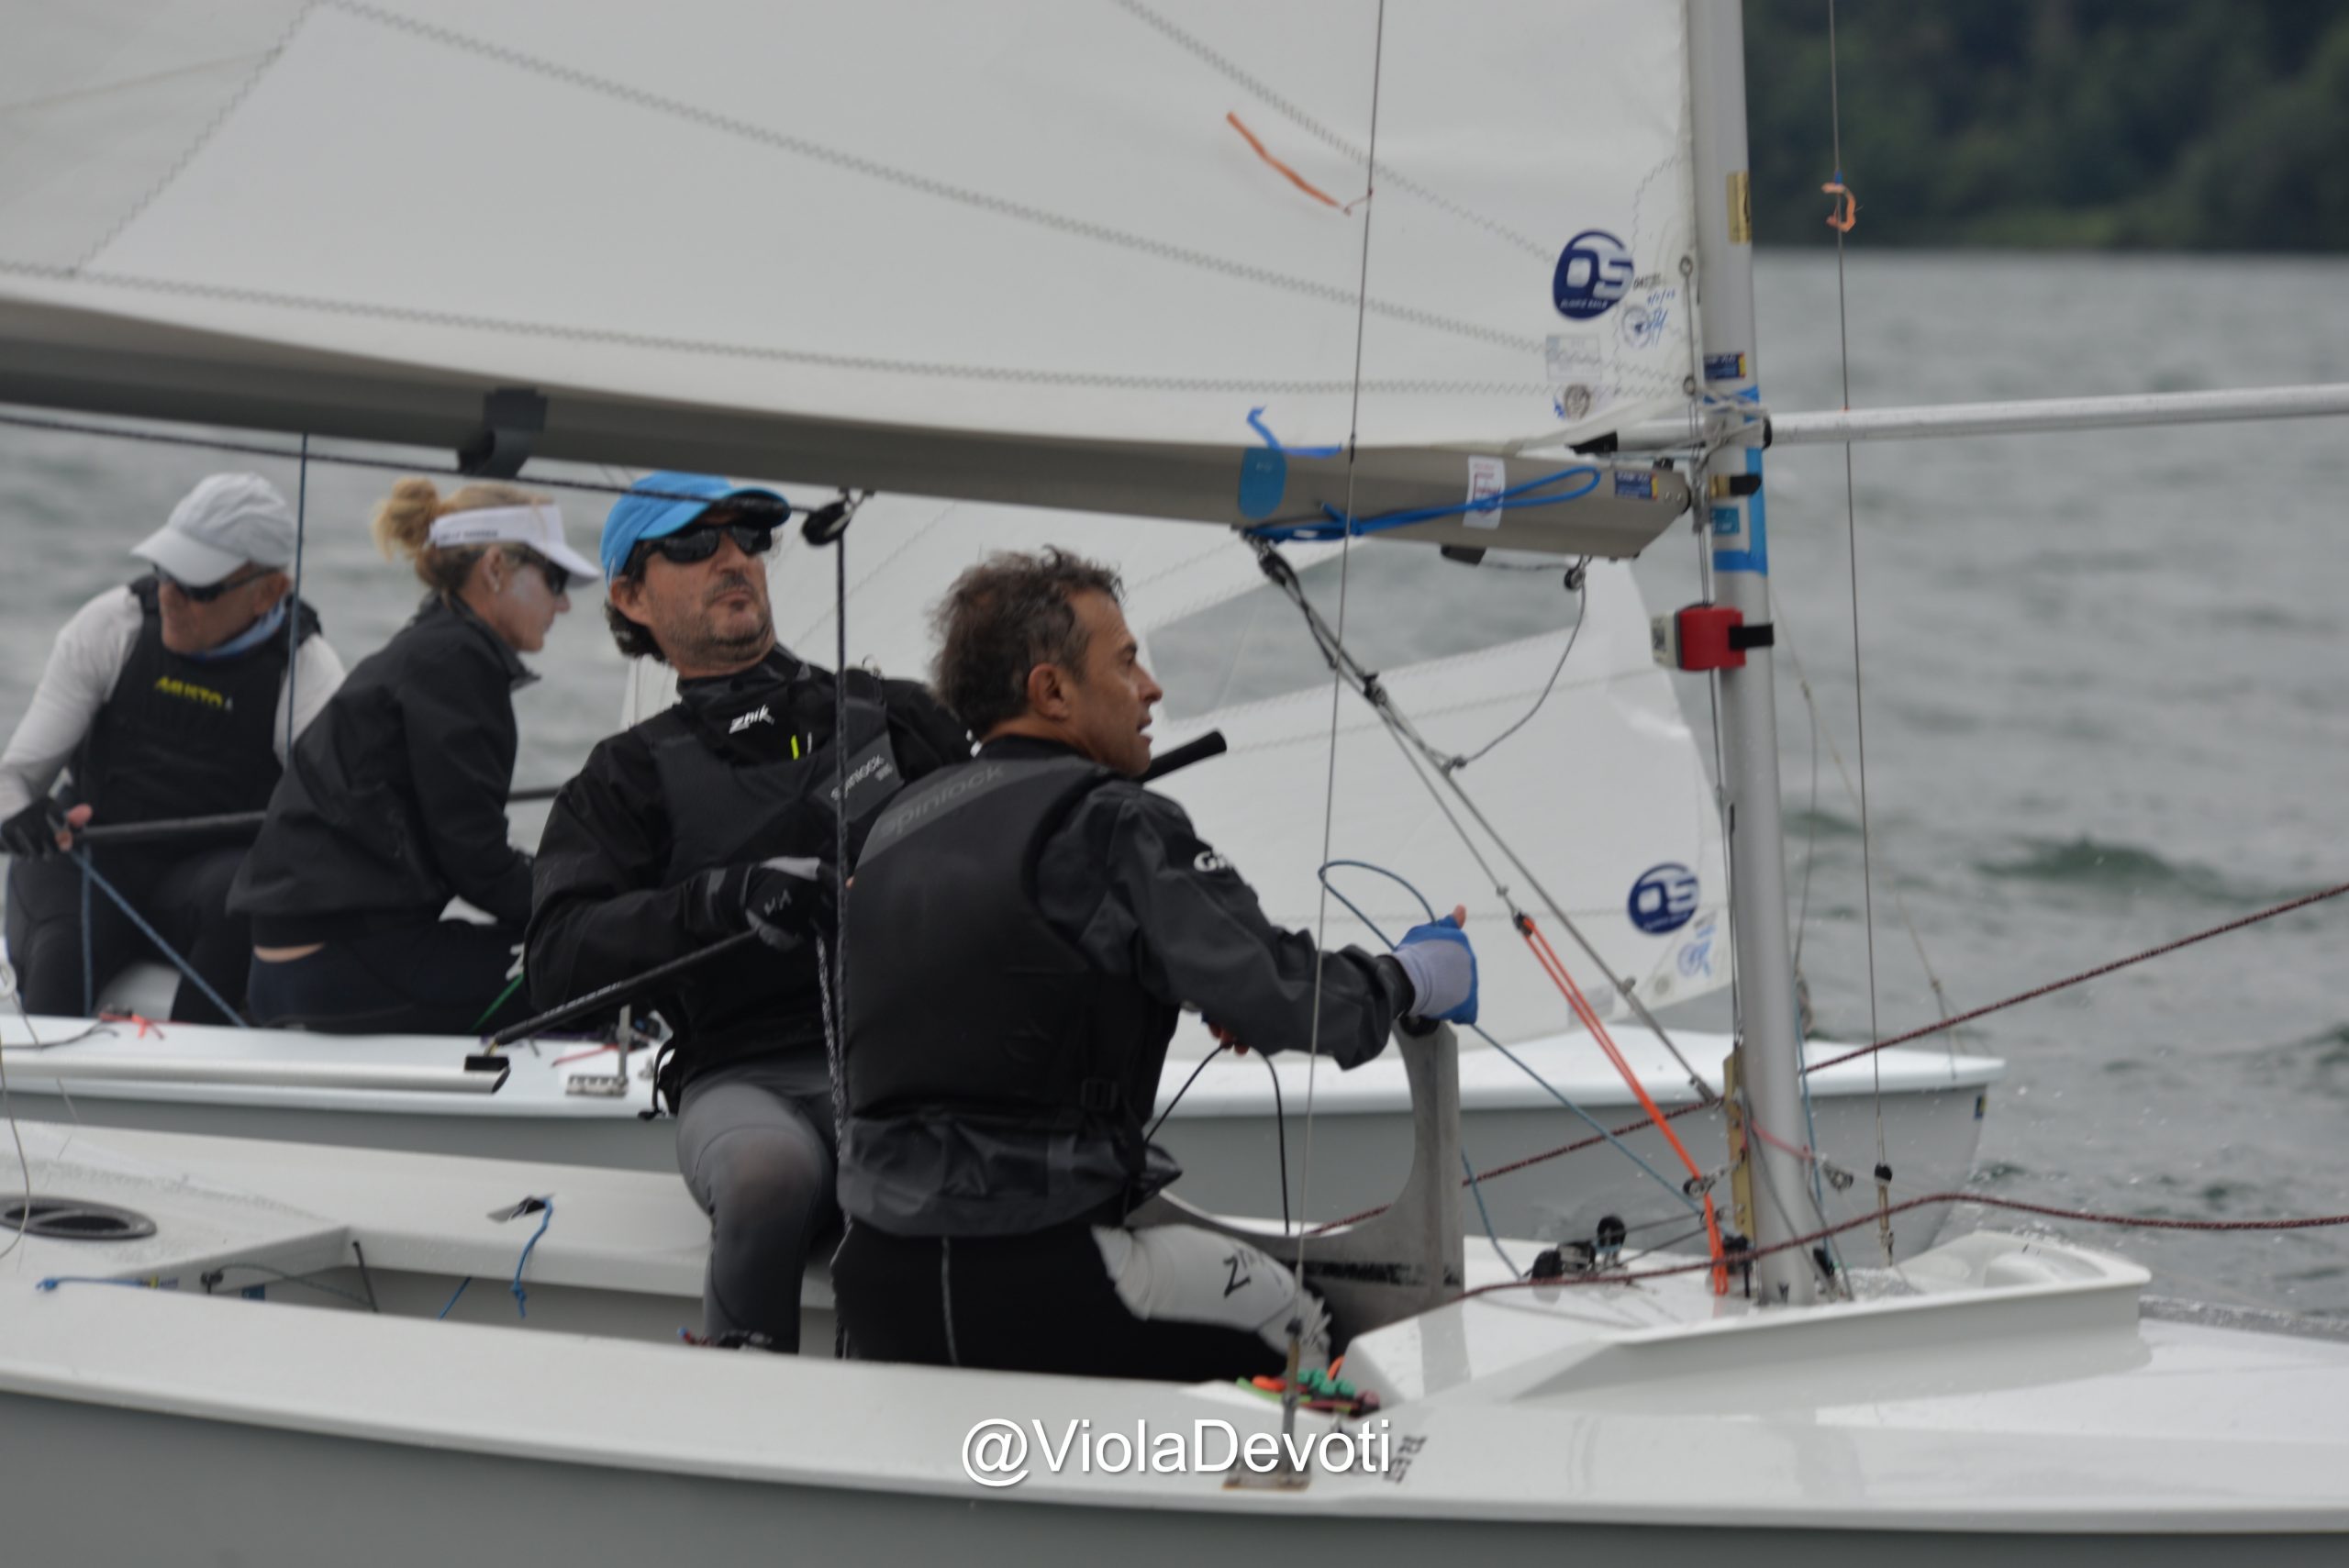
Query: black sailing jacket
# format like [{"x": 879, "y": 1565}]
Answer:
[
  {"x": 619, "y": 869},
  {"x": 394, "y": 800}
]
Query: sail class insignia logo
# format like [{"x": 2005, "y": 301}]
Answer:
[
  {"x": 1663, "y": 899},
  {"x": 1594, "y": 272}
]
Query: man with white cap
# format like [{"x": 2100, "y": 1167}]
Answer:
[{"x": 165, "y": 699}]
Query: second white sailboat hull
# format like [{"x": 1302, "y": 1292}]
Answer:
[{"x": 1223, "y": 1130}]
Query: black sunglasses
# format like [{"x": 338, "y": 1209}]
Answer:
[
  {"x": 557, "y": 580},
  {"x": 210, "y": 591},
  {"x": 691, "y": 545}
]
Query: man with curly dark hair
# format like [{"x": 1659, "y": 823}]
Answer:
[
  {"x": 717, "y": 816},
  {"x": 1023, "y": 931}
]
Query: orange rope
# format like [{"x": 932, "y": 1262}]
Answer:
[
  {"x": 1547, "y": 956},
  {"x": 1846, "y": 216},
  {"x": 1299, "y": 181}
]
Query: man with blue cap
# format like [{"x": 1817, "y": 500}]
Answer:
[{"x": 714, "y": 817}]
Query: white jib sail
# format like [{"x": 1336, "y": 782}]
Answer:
[
  {"x": 1081, "y": 236},
  {"x": 1603, "y": 791}
]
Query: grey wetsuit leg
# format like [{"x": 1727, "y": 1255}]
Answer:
[{"x": 755, "y": 1149}]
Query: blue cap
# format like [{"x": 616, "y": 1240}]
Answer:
[{"x": 651, "y": 510}]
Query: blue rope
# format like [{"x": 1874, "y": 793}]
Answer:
[
  {"x": 1337, "y": 525},
  {"x": 521, "y": 1297},
  {"x": 89, "y": 960},
  {"x": 453, "y": 1298},
  {"x": 54, "y": 1281},
  {"x": 1518, "y": 1062},
  {"x": 294, "y": 617},
  {"x": 91, "y": 874},
  {"x": 1477, "y": 1190},
  {"x": 1256, "y": 423}
]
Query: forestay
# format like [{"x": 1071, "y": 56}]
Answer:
[{"x": 1051, "y": 251}]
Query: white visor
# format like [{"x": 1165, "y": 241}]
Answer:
[{"x": 540, "y": 527}]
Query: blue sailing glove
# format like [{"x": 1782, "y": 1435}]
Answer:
[{"x": 1441, "y": 967}]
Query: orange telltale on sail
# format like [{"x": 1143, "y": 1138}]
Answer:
[{"x": 1299, "y": 181}]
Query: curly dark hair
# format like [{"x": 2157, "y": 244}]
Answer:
[
  {"x": 635, "y": 642},
  {"x": 1002, "y": 619}
]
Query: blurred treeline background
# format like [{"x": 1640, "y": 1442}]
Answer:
[{"x": 2196, "y": 125}]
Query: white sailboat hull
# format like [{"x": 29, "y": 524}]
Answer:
[
  {"x": 1222, "y": 1130},
  {"x": 201, "y": 1481},
  {"x": 1998, "y": 1396}
]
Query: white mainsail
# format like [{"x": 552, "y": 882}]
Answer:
[{"x": 1021, "y": 252}]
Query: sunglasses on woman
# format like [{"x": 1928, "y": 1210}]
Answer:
[
  {"x": 210, "y": 591},
  {"x": 691, "y": 545}
]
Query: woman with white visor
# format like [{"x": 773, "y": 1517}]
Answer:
[{"x": 393, "y": 802}]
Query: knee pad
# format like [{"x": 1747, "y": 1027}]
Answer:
[{"x": 1182, "y": 1274}]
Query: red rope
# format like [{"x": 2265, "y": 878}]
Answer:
[
  {"x": 1547, "y": 956},
  {"x": 2089, "y": 1216},
  {"x": 2103, "y": 968}
]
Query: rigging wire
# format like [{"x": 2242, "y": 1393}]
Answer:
[
  {"x": 1578, "y": 582},
  {"x": 294, "y": 610},
  {"x": 1667, "y": 1182},
  {"x": 1841, "y": 225},
  {"x": 1925, "y": 1200},
  {"x": 9, "y": 1110},
  {"x": 1337, "y": 691},
  {"x": 1426, "y": 760},
  {"x": 1818, "y": 732}
]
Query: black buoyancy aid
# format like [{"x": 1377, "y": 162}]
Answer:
[
  {"x": 996, "y": 1083},
  {"x": 183, "y": 736},
  {"x": 747, "y": 772}
]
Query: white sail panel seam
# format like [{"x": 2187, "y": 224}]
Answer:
[
  {"x": 1020, "y": 376},
  {"x": 267, "y": 59},
  {"x": 1023, "y": 376},
  {"x": 905, "y": 179}
]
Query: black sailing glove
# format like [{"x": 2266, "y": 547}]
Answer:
[
  {"x": 787, "y": 900},
  {"x": 32, "y": 832}
]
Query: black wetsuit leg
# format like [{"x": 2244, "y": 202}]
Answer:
[
  {"x": 183, "y": 896},
  {"x": 1036, "y": 1303},
  {"x": 188, "y": 906},
  {"x": 444, "y": 978}
]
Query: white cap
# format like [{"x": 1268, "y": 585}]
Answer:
[
  {"x": 539, "y": 524},
  {"x": 227, "y": 521}
]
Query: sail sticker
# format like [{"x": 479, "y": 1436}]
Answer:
[
  {"x": 1746, "y": 549},
  {"x": 1695, "y": 960},
  {"x": 1263, "y": 478},
  {"x": 1724, "y": 520},
  {"x": 1571, "y": 356},
  {"x": 1488, "y": 477},
  {"x": 1663, "y": 899},
  {"x": 1594, "y": 273},
  {"x": 1740, "y": 208},
  {"x": 1635, "y": 484},
  {"x": 1725, "y": 367}
]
